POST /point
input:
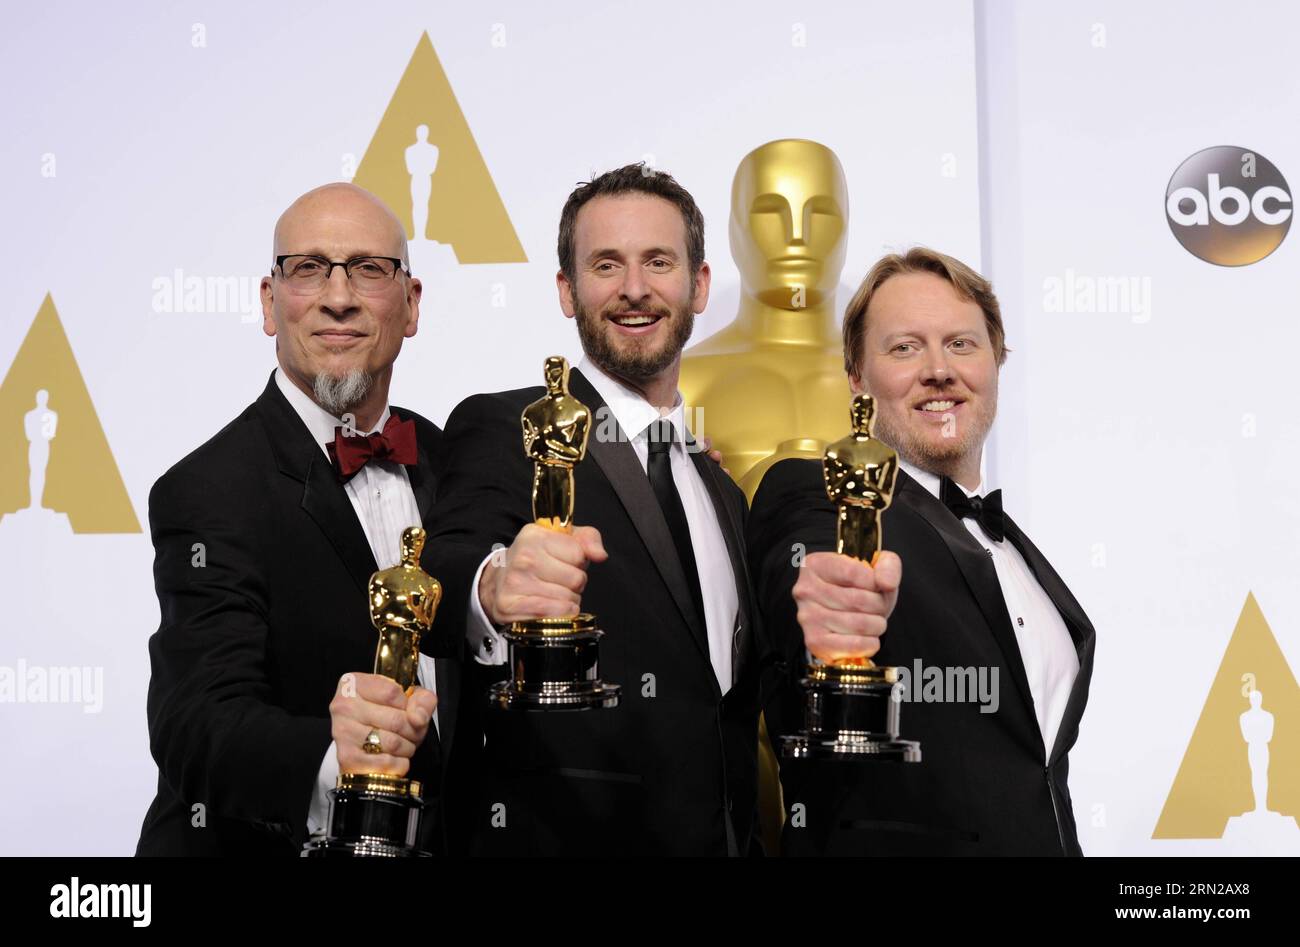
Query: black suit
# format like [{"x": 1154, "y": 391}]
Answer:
[
  {"x": 986, "y": 784},
  {"x": 257, "y": 626},
  {"x": 660, "y": 773}
]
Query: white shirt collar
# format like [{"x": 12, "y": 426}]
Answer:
[
  {"x": 931, "y": 481},
  {"x": 320, "y": 423},
  {"x": 632, "y": 412}
]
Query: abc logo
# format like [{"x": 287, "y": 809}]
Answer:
[{"x": 1228, "y": 206}]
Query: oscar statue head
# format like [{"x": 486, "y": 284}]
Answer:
[
  {"x": 862, "y": 414},
  {"x": 789, "y": 222},
  {"x": 556, "y": 371}
]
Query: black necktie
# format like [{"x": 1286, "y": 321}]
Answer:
[
  {"x": 987, "y": 511},
  {"x": 659, "y": 436}
]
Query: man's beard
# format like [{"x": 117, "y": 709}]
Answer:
[
  {"x": 635, "y": 361},
  {"x": 340, "y": 393},
  {"x": 944, "y": 459}
]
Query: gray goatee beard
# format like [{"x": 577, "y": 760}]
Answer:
[{"x": 340, "y": 393}]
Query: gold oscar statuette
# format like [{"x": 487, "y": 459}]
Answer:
[
  {"x": 849, "y": 710},
  {"x": 378, "y": 814},
  {"x": 554, "y": 661}
]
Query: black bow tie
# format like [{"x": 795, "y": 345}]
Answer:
[{"x": 987, "y": 511}]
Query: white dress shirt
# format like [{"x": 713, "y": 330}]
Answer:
[
  {"x": 1046, "y": 648},
  {"x": 712, "y": 561},
  {"x": 385, "y": 504}
]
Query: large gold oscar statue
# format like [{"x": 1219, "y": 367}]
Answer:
[{"x": 771, "y": 384}]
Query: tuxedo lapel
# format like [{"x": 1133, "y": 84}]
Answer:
[
  {"x": 732, "y": 533},
  {"x": 448, "y": 682},
  {"x": 1071, "y": 611},
  {"x": 420, "y": 475},
  {"x": 323, "y": 496},
  {"x": 1080, "y": 628},
  {"x": 617, "y": 460},
  {"x": 977, "y": 568}
]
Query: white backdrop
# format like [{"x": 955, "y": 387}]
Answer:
[
  {"x": 169, "y": 156},
  {"x": 1150, "y": 452}
]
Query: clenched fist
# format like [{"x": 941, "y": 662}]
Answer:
[
  {"x": 372, "y": 701},
  {"x": 843, "y": 603},
  {"x": 543, "y": 575}
]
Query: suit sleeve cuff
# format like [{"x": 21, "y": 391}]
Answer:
[
  {"x": 485, "y": 642},
  {"x": 326, "y": 779}
]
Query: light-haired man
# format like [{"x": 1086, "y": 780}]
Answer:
[{"x": 960, "y": 595}]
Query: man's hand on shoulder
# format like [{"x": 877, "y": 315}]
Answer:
[{"x": 714, "y": 455}]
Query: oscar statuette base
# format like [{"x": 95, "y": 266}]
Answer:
[
  {"x": 850, "y": 714},
  {"x": 554, "y": 666},
  {"x": 373, "y": 816}
]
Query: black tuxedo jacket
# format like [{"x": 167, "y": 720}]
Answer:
[
  {"x": 985, "y": 783},
  {"x": 261, "y": 566},
  {"x": 662, "y": 772}
]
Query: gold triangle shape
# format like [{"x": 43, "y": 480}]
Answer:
[
  {"x": 464, "y": 208},
  {"x": 81, "y": 476},
  {"x": 1214, "y": 781}
]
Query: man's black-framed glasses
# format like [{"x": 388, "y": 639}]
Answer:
[{"x": 307, "y": 273}]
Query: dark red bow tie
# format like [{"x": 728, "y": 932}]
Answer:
[{"x": 351, "y": 452}]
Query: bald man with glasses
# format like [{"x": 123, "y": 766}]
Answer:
[{"x": 265, "y": 538}]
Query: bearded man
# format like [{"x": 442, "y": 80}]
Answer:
[
  {"x": 656, "y": 554},
  {"x": 995, "y": 654},
  {"x": 265, "y": 538}
]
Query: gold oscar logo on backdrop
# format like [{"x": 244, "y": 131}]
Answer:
[
  {"x": 1240, "y": 776},
  {"x": 423, "y": 161},
  {"x": 56, "y": 468}
]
